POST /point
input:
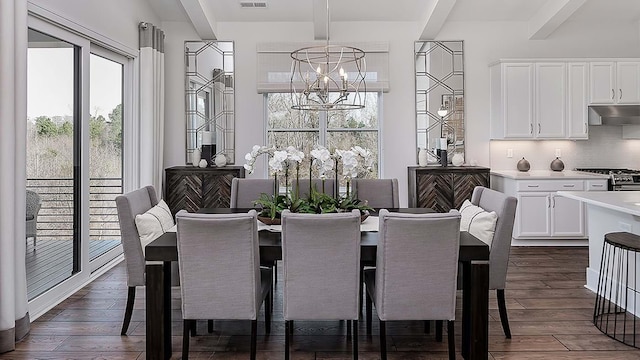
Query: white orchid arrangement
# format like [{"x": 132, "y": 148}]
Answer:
[
  {"x": 323, "y": 158},
  {"x": 256, "y": 151}
]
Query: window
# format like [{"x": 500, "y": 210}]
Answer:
[{"x": 331, "y": 129}]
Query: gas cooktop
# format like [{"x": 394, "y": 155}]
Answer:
[{"x": 619, "y": 179}]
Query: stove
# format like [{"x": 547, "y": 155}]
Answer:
[{"x": 619, "y": 179}]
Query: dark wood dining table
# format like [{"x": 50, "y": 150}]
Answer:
[{"x": 474, "y": 257}]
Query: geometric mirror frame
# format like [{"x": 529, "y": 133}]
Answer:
[
  {"x": 210, "y": 103},
  {"x": 439, "y": 75}
]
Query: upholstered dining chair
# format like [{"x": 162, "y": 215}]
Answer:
[
  {"x": 329, "y": 187},
  {"x": 379, "y": 193},
  {"x": 34, "y": 202},
  {"x": 505, "y": 208},
  {"x": 220, "y": 274},
  {"x": 313, "y": 290},
  {"x": 416, "y": 271},
  {"x": 128, "y": 206},
  {"x": 245, "y": 191}
]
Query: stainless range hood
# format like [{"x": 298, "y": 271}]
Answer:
[{"x": 614, "y": 115}]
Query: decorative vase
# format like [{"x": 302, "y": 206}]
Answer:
[
  {"x": 203, "y": 163},
  {"x": 457, "y": 160},
  {"x": 523, "y": 165},
  {"x": 423, "y": 159},
  {"x": 557, "y": 165},
  {"x": 196, "y": 155},
  {"x": 220, "y": 160}
]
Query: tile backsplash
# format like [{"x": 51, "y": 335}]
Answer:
[{"x": 605, "y": 148}]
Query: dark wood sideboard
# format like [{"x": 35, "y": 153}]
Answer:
[
  {"x": 444, "y": 188},
  {"x": 191, "y": 188}
]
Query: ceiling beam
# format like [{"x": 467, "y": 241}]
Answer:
[
  {"x": 436, "y": 17},
  {"x": 549, "y": 18},
  {"x": 201, "y": 17},
  {"x": 320, "y": 20}
]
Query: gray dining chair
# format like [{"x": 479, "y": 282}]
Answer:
[
  {"x": 245, "y": 191},
  {"x": 128, "y": 206},
  {"x": 220, "y": 274},
  {"x": 312, "y": 289},
  {"x": 328, "y": 188},
  {"x": 416, "y": 271},
  {"x": 34, "y": 202},
  {"x": 379, "y": 193},
  {"x": 505, "y": 208}
]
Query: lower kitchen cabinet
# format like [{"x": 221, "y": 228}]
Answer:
[
  {"x": 541, "y": 213},
  {"x": 444, "y": 188},
  {"x": 191, "y": 188}
]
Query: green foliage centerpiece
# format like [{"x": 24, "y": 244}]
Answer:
[{"x": 356, "y": 161}]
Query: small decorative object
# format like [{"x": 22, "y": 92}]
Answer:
[
  {"x": 203, "y": 163},
  {"x": 457, "y": 159},
  {"x": 423, "y": 159},
  {"x": 523, "y": 165},
  {"x": 195, "y": 157},
  {"x": 557, "y": 164},
  {"x": 220, "y": 160}
]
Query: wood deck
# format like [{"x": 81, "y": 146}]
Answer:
[
  {"x": 51, "y": 262},
  {"x": 549, "y": 311}
]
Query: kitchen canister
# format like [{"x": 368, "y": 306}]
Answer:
[
  {"x": 523, "y": 165},
  {"x": 557, "y": 165}
]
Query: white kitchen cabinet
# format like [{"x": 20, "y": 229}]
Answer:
[
  {"x": 512, "y": 101},
  {"x": 577, "y": 100},
  {"x": 614, "y": 82},
  {"x": 538, "y": 100},
  {"x": 567, "y": 217}
]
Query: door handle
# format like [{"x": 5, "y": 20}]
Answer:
[
  {"x": 613, "y": 94},
  {"x": 569, "y": 185},
  {"x": 533, "y": 186},
  {"x": 554, "y": 201},
  {"x": 530, "y": 128},
  {"x": 539, "y": 128},
  {"x": 620, "y": 93},
  {"x": 548, "y": 202}
]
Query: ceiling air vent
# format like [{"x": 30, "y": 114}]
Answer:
[{"x": 253, "y": 4}]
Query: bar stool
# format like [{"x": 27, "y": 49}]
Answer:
[{"x": 618, "y": 286}]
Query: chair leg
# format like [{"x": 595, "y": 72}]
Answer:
[
  {"x": 383, "y": 340},
  {"x": 287, "y": 338},
  {"x": 186, "y": 327},
  {"x": 368, "y": 311},
  {"x": 275, "y": 272},
  {"x": 254, "y": 338},
  {"x": 291, "y": 327},
  {"x": 348, "y": 330},
  {"x": 267, "y": 313},
  {"x": 355, "y": 340},
  {"x": 131, "y": 297},
  {"x": 451, "y": 337},
  {"x": 210, "y": 326},
  {"x": 361, "y": 288},
  {"x": 502, "y": 308},
  {"x": 427, "y": 326},
  {"x": 439, "y": 330},
  {"x": 194, "y": 328}
]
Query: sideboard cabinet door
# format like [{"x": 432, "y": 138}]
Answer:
[
  {"x": 191, "y": 188},
  {"x": 444, "y": 188}
]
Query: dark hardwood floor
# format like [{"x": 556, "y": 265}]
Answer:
[{"x": 549, "y": 311}]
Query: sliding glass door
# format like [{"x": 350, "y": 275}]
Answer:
[{"x": 78, "y": 108}]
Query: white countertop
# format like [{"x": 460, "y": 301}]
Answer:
[
  {"x": 627, "y": 202},
  {"x": 547, "y": 174}
]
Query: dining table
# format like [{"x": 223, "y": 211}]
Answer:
[{"x": 473, "y": 257}]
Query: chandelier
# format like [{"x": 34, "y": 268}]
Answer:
[{"x": 328, "y": 77}]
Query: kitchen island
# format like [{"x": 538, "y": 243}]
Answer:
[{"x": 610, "y": 211}]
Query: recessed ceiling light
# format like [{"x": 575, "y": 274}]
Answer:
[{"x": 253, "y": 4}]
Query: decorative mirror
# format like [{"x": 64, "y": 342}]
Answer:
[
  {"x": 209, "y": 89},
  {"x": 439, "y": 68}
]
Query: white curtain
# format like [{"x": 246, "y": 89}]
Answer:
[
  {"x": 14, "y": 307},
  {"x": 151, "y": 106}
]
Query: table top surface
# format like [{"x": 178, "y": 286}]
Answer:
[{"x": 164, "y": 248}]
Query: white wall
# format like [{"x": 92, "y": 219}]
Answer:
[
  {"x": 115, "y": 19},
  {"x": 484, "y": 42}
]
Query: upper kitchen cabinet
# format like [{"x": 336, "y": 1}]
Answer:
[
  {"x": 615, "y": 82},
  {"x": 538, "y": 100}
]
